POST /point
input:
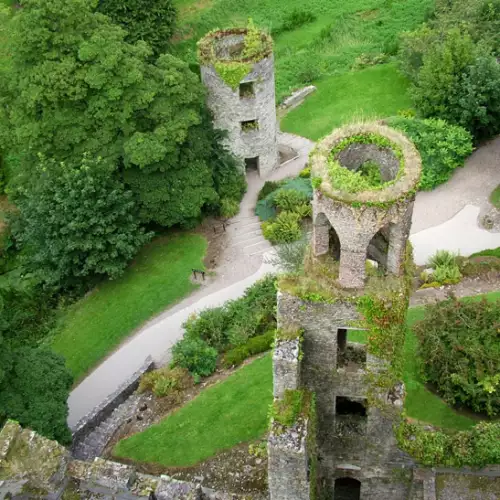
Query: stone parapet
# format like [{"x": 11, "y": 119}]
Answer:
[
  {"x": 102, "y": 411},
  {"x": 286, "y": 366}
]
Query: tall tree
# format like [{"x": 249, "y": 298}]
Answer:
[
  {"x": 77, "y": 222},
  {"x": 150, "y": 20},
  {"x": 76, "y": 86}
]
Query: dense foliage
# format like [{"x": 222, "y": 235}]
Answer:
[
  {"x": 477, "y": 447},
  {"x": 282, "y": 206},
  {"x": 255, "y": 345},
  {"x": 34, "y": 389},
  {"x": 442, "y": 147},
  {"x": 77, "y": 222},
  {"x": 195, "y": 355},
  {"x": 460, "y": 344},
  {"x": 150, "y": 20},
  {"x": 75, "y": 86},
  {"x": 452, "y": 65}
]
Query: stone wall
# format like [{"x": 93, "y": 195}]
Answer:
[
  {"x": 229, "y": 110},
  {"x": 355, "y": 227},
  {"x": 297, "y": 97},
  {"x": 286, "y": 366},
  {"x": 101, "y": 412},
  {"x": 288, "y": 462}
]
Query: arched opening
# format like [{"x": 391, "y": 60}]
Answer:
[
  {"x": 378, "y": 248},
  {"x": 347, "y": 488},
  {"x": 334, "y": 242}
]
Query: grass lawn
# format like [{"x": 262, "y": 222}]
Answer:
[
  {"x": 222, "y": 416},
  {"x": 340, "y": 32},
  {"x": 159, "y": 276},
  {"x": 375, "y": 92},
  {"x": 491, "y": 252}
]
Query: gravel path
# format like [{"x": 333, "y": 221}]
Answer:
[{"x": 443, "y": 218}]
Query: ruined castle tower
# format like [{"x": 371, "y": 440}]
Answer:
[
  {"x": 237, "y": 68},
  {"x": 338, "y": 357}
]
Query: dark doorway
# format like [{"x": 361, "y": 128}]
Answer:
[
  {"x": 252, "y": 164},
  {"x": 347, "y": 488}
]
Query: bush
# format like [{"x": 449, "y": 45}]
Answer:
[
  {"x": 457, "y": 81},
  {"x": 442, "y": 258},
  {"x": 166, "y": 381},
  {"x": 194, "y": 355},
  {"x": 255, "y": 345},
  {"x": 459, "y": 341},
  {"x": 229, "y": 208},
  {"x": 265, "y": 209},
  {"x": 284, "y": 229},
  {"x": 305, "y": 173},
  {"x": 442, "y": 146},
  {"x": 238, "y": 320},
  {"x": 294, "y": 20},
  {"x": 446, "y": 269},
  {"x": 268, "y": 188},
  {"x": 289, "y": 199}
]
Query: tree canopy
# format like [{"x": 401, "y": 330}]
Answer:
[{"x": 75, "y": 86}]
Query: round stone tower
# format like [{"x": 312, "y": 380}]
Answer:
[
  {"x": 237, "y": 68},
  {"x": 371, "y": 222}
]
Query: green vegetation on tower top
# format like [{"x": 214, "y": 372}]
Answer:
[{"x": 233, "y": 51}]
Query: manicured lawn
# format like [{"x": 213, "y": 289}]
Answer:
[
  {"x": 491, "y": 252},
  {"x": 375, "y": 92},
  {"x": 158, "y": 277},
  {"x": 222, "y": 416}
]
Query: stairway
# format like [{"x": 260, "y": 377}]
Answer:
[
  {"x": 246, "y": 234},
  {"x": 96, "y": 441}
]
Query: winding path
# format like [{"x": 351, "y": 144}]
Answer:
[{"x": 443, "y": 218}]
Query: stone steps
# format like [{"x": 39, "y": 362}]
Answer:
[{"x": 96, "y": 441}]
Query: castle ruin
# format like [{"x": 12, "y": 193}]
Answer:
[
  {"x": 341, "y": 329},
  {"x": 237, "y": 68}
]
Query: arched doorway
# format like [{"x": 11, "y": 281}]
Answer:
[
  {"x": 347, "y": 488},
  {"x": 334, "y": 243},
  {"x": 325, "y": 238}
]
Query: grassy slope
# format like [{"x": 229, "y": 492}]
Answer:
[
  {"x": 220, "y": 417},
  {"x": 495, "y": 197},
  {"x": 329, "y": 46},
  {"x": 235, "y": 411},
  {"x": 159, "y": 276},
  {"x": 375, "y": 92}
]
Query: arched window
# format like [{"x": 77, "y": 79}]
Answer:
[
  {"x": 334, "y": 243},
  {"x": 378, "y": 247},
  {"x": 347, "y": 488}
]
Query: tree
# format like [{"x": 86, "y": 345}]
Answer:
[
  {"x": 34, "y": 391},
  {"x": 77, "y": 221},
  {"x": 76, "y": 86},
  {"x": 460, "y": 84},
  {"x": 150, "y": 20}
]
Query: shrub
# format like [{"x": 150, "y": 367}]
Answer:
[
  {"x": 211, "y": 326},
  {"x": 268, "y": 188},
  {"x": 442, "y": 146},
  {"x": 305, "y": 173},
  {"x": 284, "y": 229},
  {"x": 442, "y": 258},
  {"x": 303, "y": 210},
  {"x": 166, "y": 381},
  {"x": 229, "y": 208},
  {"x": 446, "y": 269},
  {"x": 289, "y": 199},
  {"x": 265, "y": 209},
  {"x": 194, "y": 355},
  {"x": 459, "y": 341},
  {"x": 460, "y": 83},
  {"x": 255, "y": 345},
  {"x": 237, "y": 320},
  {"x": 294, "y": 20}
]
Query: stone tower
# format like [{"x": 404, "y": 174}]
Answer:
[
  {"x": 338, "y": 358},
  {"x": 237, "y": 68}
]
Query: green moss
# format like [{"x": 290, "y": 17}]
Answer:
[
  {"x": 348, "y": 181},
  {"x": 289, "y": 333},
  {"x": 295, "y": 404},
  {"x": 232, "y": 72}
]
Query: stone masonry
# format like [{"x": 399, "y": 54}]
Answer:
[
  {"x": 357, "y": 452},
  {"x": 253, "y": 100}
]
